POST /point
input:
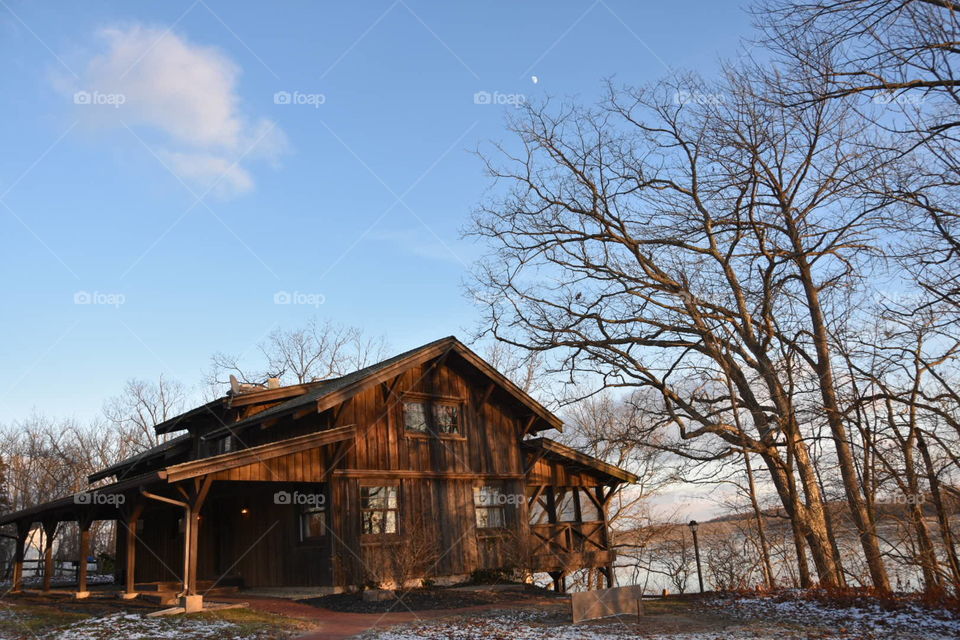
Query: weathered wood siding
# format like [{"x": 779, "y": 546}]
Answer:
[{"x": 436, "y": 476}]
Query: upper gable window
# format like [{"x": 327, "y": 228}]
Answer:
[
  {"x": 432, "y": 416},
  {"x": 220, "y": 445}
]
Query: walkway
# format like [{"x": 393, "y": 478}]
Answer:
[{"x": 338, "y": 625}]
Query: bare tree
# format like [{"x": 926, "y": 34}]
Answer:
[
  {"x": 896, "y": 61},
  {"x": 139, "y": 408},
  {"x": 672, "y": 245},
  {"x": 316, "y": 351}
]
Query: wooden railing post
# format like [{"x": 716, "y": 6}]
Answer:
[
  {"x": 83, "y": 525},
  {"x": 49, "y": 531},
  {"x": 130, "y": 518},
  {"x": 23, "y": 530}
]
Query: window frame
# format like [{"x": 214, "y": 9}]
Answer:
[
  {"x": 583, "y": 494},
  {"x": 361, "y": 510},
  {"x": 306, "y": 510},
  {"x": 505, "y": 517},
  {"x": 215, "y": 447},
  {"x": 430, "y": 402}
]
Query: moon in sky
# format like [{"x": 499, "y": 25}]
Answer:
[{"x": 535, "y": 79}]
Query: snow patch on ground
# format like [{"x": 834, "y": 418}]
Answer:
[
  {"x": 130, "y": 626},
  {"x": 911, "y": 622},
  {"x": 61, "y": 581},
  {"x": 756, "y": 618}
]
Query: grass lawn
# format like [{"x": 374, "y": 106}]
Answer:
[
  {"x": 109, "y": 620},
  {"x": 27, "y": 620}
]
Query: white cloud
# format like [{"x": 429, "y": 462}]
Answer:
[
  {"x": 419, "y": 242},
  {"x": 148, "y": 78},
  {"x": 223, "y": 177}
]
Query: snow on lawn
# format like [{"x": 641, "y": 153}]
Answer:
[
  {"x": 138, "y": 627},
  {"x": 512, "y": 625},
  {"x": 910, "y": 622},
  {"x": 744, "y": 618},
  {"x": 61, "y": 581}
]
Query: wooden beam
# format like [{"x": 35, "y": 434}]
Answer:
[
  {"x": 153, "y": 496},
  {"x": 528, "y": 425},
  {"x": 390, "y": 387},
  {"x": 578, "y": 458},
  {"x": 438, "y": 475},
  {"x": 303, "y": 413},
  {"x": 191, "y": 537},
  {"x": 131, "y": 516},
  {"x": 486, "y": 395},
  {"x": 23, "y": 530},
  {"x": 267, "y": 395},
  {"x": 49, "y": 531},
  {"x": 204, "y": 466},
  {"x": 338, "y": 410},
  {"x": 83, "y": 525}
]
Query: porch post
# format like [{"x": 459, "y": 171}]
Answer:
[
  {"x": 559, "y": 581},
  {"x": 49, "y": 530},
  {"x": 195, "y": 494},
  {"x": 23, "y": 530},
  {"x": 83, "y": 524},
  {"x": 130, "y": 519},
  {"x": 192, "y": 534}
]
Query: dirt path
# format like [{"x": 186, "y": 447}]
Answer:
[{"x": 337, "y": 625}]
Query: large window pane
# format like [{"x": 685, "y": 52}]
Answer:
[
  {"x": 589, "y": 512},
  {"x": 566, "y": 507},
  {"x": 447, "y": 418},
  {"x": 490, "y": 506},
  {"x": 415, "y": 416},
  {"x": 538, "y": 514},
  {"x": 378, "y": 510}
]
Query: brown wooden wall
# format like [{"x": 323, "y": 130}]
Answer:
[
  {"x": 551, "y": 472},
  {"x": 436, "y": 476}
]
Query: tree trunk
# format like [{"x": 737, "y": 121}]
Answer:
[
  {"x": 943, "y": 519},
  {"x": 761, "y": 528},
  {"x": 858, "y": 508}
]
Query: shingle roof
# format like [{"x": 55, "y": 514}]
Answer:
[
  {"x": 314, "y": 393},
  {"x": 154, "y": 452},
  {"x": 326, "y": 388}
]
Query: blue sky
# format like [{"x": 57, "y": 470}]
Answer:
[{"x": 170, "y": 168}]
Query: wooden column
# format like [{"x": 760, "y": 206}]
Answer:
[
  {"x": 603, "y": 503},
  {"x": 129, "y": 523},
  {"x": 559, "y": 581},
  {"x": 23, "y": 530},
  {"x": 83, "y": 525},
  {"x": 49, "y": 531},
  {"x": 195, "y": 494},
  {"x": 193, "y": 533}
]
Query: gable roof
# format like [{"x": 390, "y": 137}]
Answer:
[
  {"x": 328, "y": 393},
  {"x": 551, "y": 449},
  {"x": 163, "y": 450}
]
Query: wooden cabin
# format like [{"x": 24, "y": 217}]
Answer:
[{"x": 428, "y": 465}]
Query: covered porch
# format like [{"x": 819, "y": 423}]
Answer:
[{"x": 159, "y": 517}]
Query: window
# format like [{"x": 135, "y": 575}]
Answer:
[
  {"x": 538, "y": 512},
  {"x": 490, "y": 505},
  {"x": 378, "y": 510},
  {"x": 415, "y": 416},
  {"x": 566, "y": 505},
  {"x": 446, "y": 417},
  {"x": 221, "y": 445},
  {"x": 589, "y": 511},
  {"x": 440, "y": 418},
  {"x": 313, "y": 522}
]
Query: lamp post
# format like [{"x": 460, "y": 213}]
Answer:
[{"x": 696, "y": 549}]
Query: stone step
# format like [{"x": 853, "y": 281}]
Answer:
[{"x": 171, "y": 596}]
